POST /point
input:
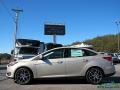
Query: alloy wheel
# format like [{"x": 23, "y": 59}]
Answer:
[
  {"x": 94, "y": 75},
  {"x": 22, "y": 76}
]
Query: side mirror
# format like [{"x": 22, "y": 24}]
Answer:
[
  {"x": 12, "y": 52},
  {"x": 48, "y": 54},
  {"x": 45, "y": 56}
]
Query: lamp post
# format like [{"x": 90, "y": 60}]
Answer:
[{"x": 118, "y": 23}]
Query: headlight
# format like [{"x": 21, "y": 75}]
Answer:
[{"x": 12, "y": 63}]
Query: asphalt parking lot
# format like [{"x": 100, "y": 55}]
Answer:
[{"x": 111, "y": 83}]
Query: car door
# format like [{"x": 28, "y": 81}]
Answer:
[
  {"x": 74, "y": 61},
  {"x": 52, "y": 65}
]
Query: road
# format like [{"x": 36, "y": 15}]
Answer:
[{"x": 111, "y": 83}]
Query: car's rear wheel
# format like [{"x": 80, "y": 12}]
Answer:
[
  {"x": 94, "y": 75},
  {"x": 23, "y": 76}
]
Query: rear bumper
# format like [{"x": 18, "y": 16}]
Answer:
[
  {"x": 110, "y": 74},
  {"x": 109, "y": 70}
]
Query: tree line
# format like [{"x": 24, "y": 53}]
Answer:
[
  {"x": 5, "y": 56},
  {"x": 106, "y": 43}
]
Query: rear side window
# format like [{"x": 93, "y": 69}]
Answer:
[
  {"x": 76, "y": 53},
  {"x": 88, "y": 53},
  {"x": 73, "y": 52}
]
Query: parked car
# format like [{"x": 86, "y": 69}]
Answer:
[
  {"x": 62, "y": 62},
  {"x": 115, "y": 57},
  {"x": 27, "y": 48},
  {"x": 118, "y": 55}
]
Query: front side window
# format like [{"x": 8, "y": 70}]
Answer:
[{"x": 58, "y": 53}]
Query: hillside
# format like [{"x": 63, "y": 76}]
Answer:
[{"x": 106, "y": 43}]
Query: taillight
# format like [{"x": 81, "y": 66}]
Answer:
[{"x": 109, "y": 58}]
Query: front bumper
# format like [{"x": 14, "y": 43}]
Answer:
[{"x": 10, "y": 72}]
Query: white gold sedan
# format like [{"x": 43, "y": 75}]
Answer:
[{"x": 62, "y": 62}]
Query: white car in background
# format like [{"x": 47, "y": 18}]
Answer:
[
  {"x": 118, "y": 56},
  {"x": 115, "y": 57},
  {"x": 62, "y": 62}
]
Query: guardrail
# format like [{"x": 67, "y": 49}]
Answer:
[
  {"x": 3, "y": 66},
  {"x": 4, "y": 62}
]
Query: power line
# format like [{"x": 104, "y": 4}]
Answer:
[{"x": 7, "y": 10}]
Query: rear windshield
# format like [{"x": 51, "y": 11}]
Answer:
[{"x": 28, "y": 50}]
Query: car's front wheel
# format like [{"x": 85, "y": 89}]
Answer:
[
  {"x": 94, "y": 75},
  {"x": 22, "y": 76}
]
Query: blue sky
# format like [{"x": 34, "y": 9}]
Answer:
[{"x": 84, "y": 19}]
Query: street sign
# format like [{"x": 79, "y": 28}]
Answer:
[{"x": 54, "y": 29}]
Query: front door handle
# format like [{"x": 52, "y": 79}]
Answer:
[
  {"x": 59, "y": 62},
  {"x": 85, "y": 60}
]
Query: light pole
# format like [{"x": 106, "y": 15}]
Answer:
[
  {"x": 17, "y": 11},
  {"x": 118, "y": 23}
]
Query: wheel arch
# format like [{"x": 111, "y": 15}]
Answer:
[{"x": 26, "y": 68}]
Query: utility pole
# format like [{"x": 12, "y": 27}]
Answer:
[
  {"x": 54, "y": 39},
  {"x": 17, "y": 12},
  {"x": 118, "y": 23}
]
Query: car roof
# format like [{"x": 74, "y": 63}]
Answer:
[
  {"x": 61, "y": 48},
  {"x": 68, "y": 48}
]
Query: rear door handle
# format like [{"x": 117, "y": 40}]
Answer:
[{"x": 59, "y": 62}]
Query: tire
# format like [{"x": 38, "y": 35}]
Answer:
[
  {"x": 94, "y": 75},
  {"x": 23, "y": 76}
]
